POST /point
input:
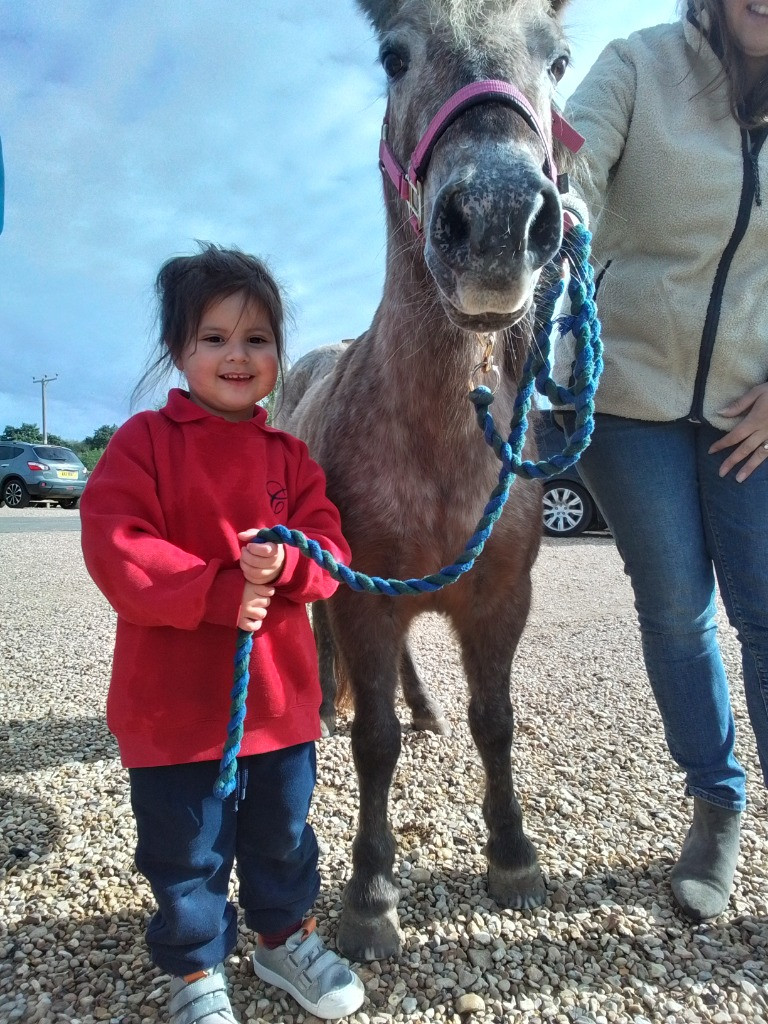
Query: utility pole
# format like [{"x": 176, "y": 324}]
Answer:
[{"x": 43, "y": 381}]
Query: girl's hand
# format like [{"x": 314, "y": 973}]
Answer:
[
  {"x": 261, "y": 563},
  {"x": 751, "y": 434},
  {"x": 253, "y": 607}
]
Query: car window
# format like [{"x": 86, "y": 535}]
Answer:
[
  {"x": 6, "y": 451},
  {"x": 49, "y": 453}
]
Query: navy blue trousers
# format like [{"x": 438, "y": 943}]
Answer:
[{"x": 188, "y": 841}]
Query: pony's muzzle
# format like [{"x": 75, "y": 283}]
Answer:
[{"x": 496, "y": 226}]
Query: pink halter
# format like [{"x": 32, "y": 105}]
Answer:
[{"x": 409, "y": 183}]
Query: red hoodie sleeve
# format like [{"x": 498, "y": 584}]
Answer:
[
  {"x": 148, "y": 580},
  {"x": 312, "y": 512}
]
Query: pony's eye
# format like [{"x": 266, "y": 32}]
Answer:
[
  {"x": 393, "y": 63},
  {"x": 558, "y": 67}
]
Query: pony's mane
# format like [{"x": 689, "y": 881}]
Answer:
[{"x": 471, "y": 10}]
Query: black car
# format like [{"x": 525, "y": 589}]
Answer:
[{"x": 569, "y": 508}]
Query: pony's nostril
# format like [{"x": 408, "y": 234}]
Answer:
[
  {"x": 545, "y": 230},
  {"x": 452, "y": 225}
]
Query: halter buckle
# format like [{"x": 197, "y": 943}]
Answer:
[{"x": 415, "y": 203}]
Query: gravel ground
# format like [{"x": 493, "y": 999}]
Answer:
[{"x": 602, "y": 801}]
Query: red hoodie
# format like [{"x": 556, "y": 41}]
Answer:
[{"x": 160, "y": 517}]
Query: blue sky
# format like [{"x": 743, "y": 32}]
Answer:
[{"x": 133, "y": 127}]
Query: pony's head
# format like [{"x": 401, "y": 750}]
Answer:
[{"x": 487, "y": 204}]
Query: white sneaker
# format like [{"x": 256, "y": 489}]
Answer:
[
  {"x": 201, "y": 1001},
  {"x": 316, "y": 977}
]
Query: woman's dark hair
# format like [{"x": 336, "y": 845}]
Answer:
[
  {"x": 187, "y": 285},
  {"x": 749, "y": 106}
]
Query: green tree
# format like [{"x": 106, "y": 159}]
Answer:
[
  {"x": 90, "y": 456},
  {"x": 101, "y": 437},
  {"x": 29, "y": 432},
  {"x": 92, "y": 447}
]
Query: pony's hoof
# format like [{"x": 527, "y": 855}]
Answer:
[
  {"x": 428, "y": 723},
  {"x": 327, "y": 727},
  {"x": 518, "y": 888},
  {"x": 368, "y": 937}
]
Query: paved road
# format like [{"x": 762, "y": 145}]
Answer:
[{"x": 38, "y": 520}]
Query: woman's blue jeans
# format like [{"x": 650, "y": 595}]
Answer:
[{"x": 680, "y": 528}]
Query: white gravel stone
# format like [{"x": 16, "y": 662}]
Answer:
[{"x": 602, "y": 801}]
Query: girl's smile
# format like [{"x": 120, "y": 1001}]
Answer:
[{"x": 231, "y": 362}]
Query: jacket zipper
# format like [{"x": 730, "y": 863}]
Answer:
[
  {"x": 600, "y": 276},
  {"x": 751, "y": 144}
]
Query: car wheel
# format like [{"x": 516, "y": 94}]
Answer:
[
  {"x": 568, "y": 509},
  {"x": 15, "y": 494},
  {"x": 69, "y": 502}
]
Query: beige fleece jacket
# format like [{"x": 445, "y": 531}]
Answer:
[{"x": 684, "y": 293}]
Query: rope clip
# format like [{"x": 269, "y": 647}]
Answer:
[
  {"x": 486, "y": 366},
  {"x": 486, "y": 369}
]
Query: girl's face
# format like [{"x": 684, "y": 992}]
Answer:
[
  {"x": 747, "y": 22},
  {"x": 231, "y": 361}
]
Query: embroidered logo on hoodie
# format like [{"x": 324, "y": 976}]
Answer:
[{"x": 277, "y": 496}]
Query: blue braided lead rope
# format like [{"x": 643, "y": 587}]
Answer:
[
  {"x": 586, "y": 369},
  {"x": 537, "y": 376},
  {"x": 279, "y": 534},
  {"x": 227, "y": 777}
]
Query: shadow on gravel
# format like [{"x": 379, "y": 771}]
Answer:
[
  {"x": 93, "y": 981},
  {"x": 31, "y": 744},
  {"x": 99, "y": 964},
  {"x": 624, "y": 934},
  {"x": 28, "y": 826},
  {"x": 604, "y": 891},
  {"x": 109, "y": 974}
]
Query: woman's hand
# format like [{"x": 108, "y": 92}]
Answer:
[
  {"x": 261, "y": 563},
  {"x": 750, "y": 434},
  {"x": 254, "y": 605}
]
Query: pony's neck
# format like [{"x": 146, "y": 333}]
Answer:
[
  {"x": 419, "y": 338},
  {"x": 424, "y": 362}
]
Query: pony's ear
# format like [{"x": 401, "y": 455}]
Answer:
[
  {"x": 381, "y": 12},
  {"x": 558, "y": 6}
]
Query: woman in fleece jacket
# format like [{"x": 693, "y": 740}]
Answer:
[{"x": 675, "y": 120}]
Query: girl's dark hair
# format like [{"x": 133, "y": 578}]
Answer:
[
  {"x": 748, "y": 106},
  {"x": 187, "y": 285}
]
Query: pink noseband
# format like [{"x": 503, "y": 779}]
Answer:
[{"x": 409, "y": 183}]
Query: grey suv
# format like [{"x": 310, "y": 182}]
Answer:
[{"x": 39, "y": 472}]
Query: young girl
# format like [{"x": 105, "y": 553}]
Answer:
[{"x": 166, "y": 520}]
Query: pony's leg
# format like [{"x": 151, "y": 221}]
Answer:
[
  {"x": 489, "y": 639},
  {"x": 325, "y": 661},
  {"x": 368, "y": 643},
  {"x": 426, "y": 713}
]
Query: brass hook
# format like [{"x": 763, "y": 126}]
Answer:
[
  {"x": 486, "y": 362},
  {"x": 486, "y": 366}
]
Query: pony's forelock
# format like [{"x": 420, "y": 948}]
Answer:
[{"x": 463, "y": 16}]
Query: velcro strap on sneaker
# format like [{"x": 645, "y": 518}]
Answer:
[{"x": 195, "y": 1000}]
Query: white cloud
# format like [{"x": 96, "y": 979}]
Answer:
[{"x": 134, "y": 127}]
